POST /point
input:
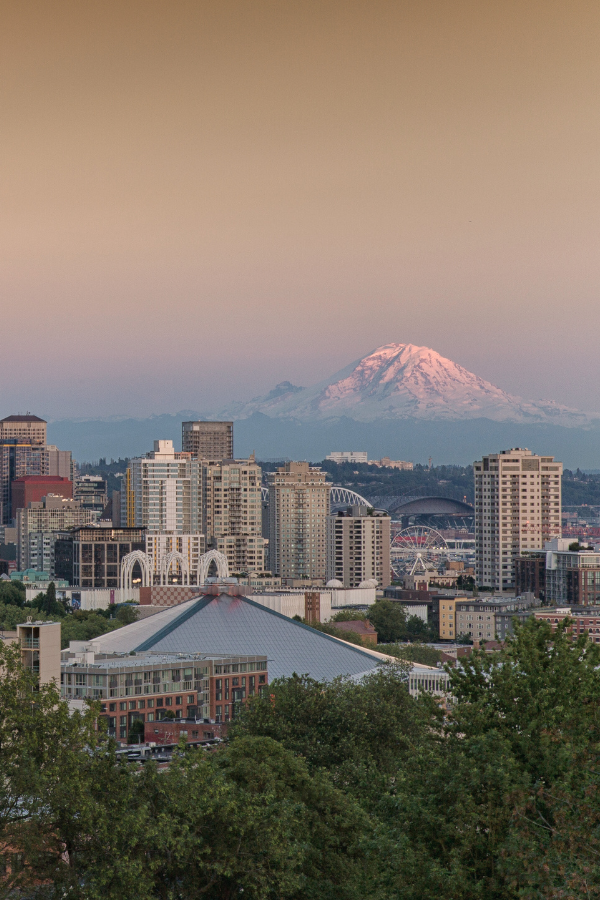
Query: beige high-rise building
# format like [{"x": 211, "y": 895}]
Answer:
[
  {"x": 358, "y": 547},
  {"x": 26, "y": 429},
  {"x": 212, "y": 441},
  {"x": 298, "y": 510},
  {"x": 517, "y": 508},
  {"x": 232, "y": 512}
]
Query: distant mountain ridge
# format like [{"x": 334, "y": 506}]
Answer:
[
  {"x": 403, "y": 381},
  {"x": 402, "y": 401}
]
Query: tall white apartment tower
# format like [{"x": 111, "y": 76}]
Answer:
[
  {"x": 517, "y": 508},
  {"x": 298, "y": 510},
  {"x": 163, "y": 492}
]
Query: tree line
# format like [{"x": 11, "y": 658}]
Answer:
[{"x": 323, "y": 791}]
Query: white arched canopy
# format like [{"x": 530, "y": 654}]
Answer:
[
  {"x": 174, "y": 557},
  {"x": 204, "y": 564},
  {"x": 127, "y": 564}
]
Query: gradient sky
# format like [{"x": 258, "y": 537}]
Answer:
[{"x": 201, "y": 199}]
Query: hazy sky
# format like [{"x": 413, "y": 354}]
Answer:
[{"x": 201, "y": 199}]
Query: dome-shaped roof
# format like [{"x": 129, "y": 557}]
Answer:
[
  {"x": 334, "y": 583},
  {"x": 369, "y": 583}
]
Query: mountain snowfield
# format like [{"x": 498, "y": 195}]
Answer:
[{"x": 403, "y": 381}]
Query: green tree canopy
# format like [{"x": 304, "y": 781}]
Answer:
[{"x": 389, "y": 620}]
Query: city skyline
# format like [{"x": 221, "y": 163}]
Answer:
[{"x": 307, "y": 182}]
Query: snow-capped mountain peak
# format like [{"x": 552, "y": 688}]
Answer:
[{"x": 402, "y": 381}]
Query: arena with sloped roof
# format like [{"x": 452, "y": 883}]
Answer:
[{"x": 227, "y": 623}]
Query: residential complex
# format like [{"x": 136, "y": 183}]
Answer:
[
  {"x": 212, "y": 441},
  {"x": 584, "y": 619},
  {"x": 162, "y": 492},
  {"x": 492, "y": 618},
  {"x": 232, "y": 512},
  {"x": 517, "y": 508},
  {"x": 149, "y": 687},
  {"x": 38, "y": 526},
  {"x": 358, "y": 547},
  {"x": 563, "y": 573},
  {"x": 298, "y": 510}
]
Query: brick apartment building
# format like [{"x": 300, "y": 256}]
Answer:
[{"x": 150, "y": 687}]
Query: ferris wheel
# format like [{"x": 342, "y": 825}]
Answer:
[{"x": 417, "y": 548}]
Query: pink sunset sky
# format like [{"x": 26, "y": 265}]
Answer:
[{"x": 201, "y": 199}]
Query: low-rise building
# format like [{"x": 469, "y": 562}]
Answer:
[
  {"x": 530, "y": 573},
  {"x": 148, "y": 687},
  {"x": 362, "y": 628},
  {"x": 491, "y": 618},
  {"x": 386, "y": 463},
  {"x": 351, "y": 456},
  {"x": 428, "y": 679},
  {"x": 447, "y": 614},
  {"x": 584, "y": 618}
]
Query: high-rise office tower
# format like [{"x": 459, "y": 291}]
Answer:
[
  {"x": 232, "y": 518},
  {"x": 23, "y": 451},
  {"x": 358, "y": 546},
  {"x": 26, "y": 429},
  {"x": 208, "y": 440},
  {"x": 517, "y": 508},
  {"x": 163, "y": 492},
  {"x": 298, "y": 510}
]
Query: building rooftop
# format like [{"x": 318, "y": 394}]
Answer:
[
  {"x": 240, "y": 626},
  {"x": 145, "y": 660},
  {"x": 26, "y": 418}
]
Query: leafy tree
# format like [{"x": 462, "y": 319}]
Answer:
[
  {"x": 329, "y": 628},
  {"x": 359, "y": 732},
  {"x": 252, "y": 820},
  {"x": 38, "y": 741},
  {"x": 349, "y": 615},
  {"x": 481, "y": 801},
  {"x": 419, "y": 653},
  {"x": 418, "y": 630},
  {"x": 389, "y": 620},
  {"x": 126, "y": 614},
  {"x": 136, "y": 732},
  {"x": 465, "y": 582},
  {"x": 85, "y": 625},
  {"x": 12, "y": 593}
]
